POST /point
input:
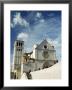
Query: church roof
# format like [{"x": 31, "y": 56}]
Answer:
[{"x": 44, "y": 42}]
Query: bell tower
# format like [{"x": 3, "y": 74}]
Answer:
[{"x": 18, "y": 51}]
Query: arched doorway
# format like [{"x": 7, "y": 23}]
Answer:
[{"x": 45, "y": 65}]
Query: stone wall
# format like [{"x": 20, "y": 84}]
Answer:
[{"x": 37, "y": 65}]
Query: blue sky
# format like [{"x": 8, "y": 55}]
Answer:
[{"x": 34, "y": 26}]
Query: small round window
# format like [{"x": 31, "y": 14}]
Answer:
[{"x": 45, "y": 46}]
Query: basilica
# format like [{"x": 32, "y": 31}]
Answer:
[{"x": 42, "y": 56}]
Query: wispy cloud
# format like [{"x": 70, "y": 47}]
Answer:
[
  {"x": 34, "y": 28},
  {"x": 38, "y": 14},
  {"x": 18, "y": 20},
  {"x": 22, "y": 36},
  {"x": 42, "y": 21}
]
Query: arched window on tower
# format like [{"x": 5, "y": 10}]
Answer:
[{"x": 17, "y": 44}]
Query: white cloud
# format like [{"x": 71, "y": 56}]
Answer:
[
  {"x": 42, "y": 20},
  {"x": 38, "y": 14},
  {"x": 12, "y": 25},
  {"x": 22, "y": 36},
  {"x": 18, "y": 20}
]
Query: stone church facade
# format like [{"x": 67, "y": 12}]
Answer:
[
  {"x": 44, "y": 51},
  {"x": 42, "y": 56}
]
